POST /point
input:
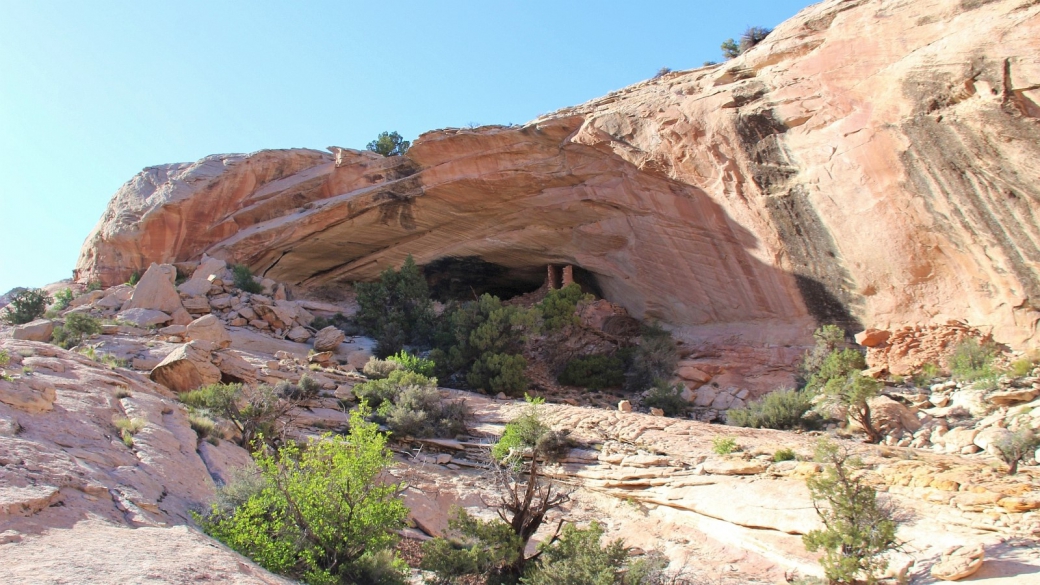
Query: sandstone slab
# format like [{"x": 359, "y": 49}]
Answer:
[{"x": 38, "y": 330}]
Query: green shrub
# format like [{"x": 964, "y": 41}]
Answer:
[
  {"x": 411, "y": 405},
  {"x": 135, "y": 278},
  {"x": 62, "y": 299},
  {"x": 784, "y": 455},
  {"x": 783, "y": 409},
  {"x": 389, "y": 144},
  {"x": 306, "y": 389},
  {"x": 527, "y": 431},
  {"x": 854, "y": 393},
  {"x": 653, "y": 359},
  {"x": 1021, "y": 367},
  {"x": 252, "y": 410},
  {"x": 577, "y": 557},
  {"x": 972, "y": 360},
  {"x": 485, "y": 339},
  {"x": 94, "y": 285},
  {"x": 838, "y": 365},
  {"x": 396, "y": 310},
  {"x": 668, "y": 398},
  {"x": 723, "y": 445},
  {"x": 827, "y": 339},
  {"x": 473, "y": 547},
  {"x": 378, "y": 369},
  {"x": 1016, "y": 446},
  {"x": 858, "y": 530},
  {"x": 128, "y": 427},
  {"x": 203, "y": 426},
  {"x": 27, "y": 305},
  {"x": 926, "y": 374},
  {"x": 751, "y": 37},
  {"x": 559, "y": 306},
  {"x": 5, "y": 358},
  {"x": 77, "y": 327},
  {"x": 320, "y": 513},
  {"x": 594, "y": 372},
  {"x": 244, "y": 281},
  {"x": 413, "y": 363}
]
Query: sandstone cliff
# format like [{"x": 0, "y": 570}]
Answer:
[{"x": 872, "y": 162}]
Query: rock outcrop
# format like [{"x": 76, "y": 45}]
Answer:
[{"x": 869, "y": 163}]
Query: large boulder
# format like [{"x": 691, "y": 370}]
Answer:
[
  {"x": 234, "y": 368},
  {"x": 156, "y": 290},
  {"x": 186, "y": 368},
  {"x": 208, "y": 328},
  {"x": 38, "y": 330},
  {"x": 328, "y": 339}
]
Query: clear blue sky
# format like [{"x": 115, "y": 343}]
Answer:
[{"x": 92, "y": 92}]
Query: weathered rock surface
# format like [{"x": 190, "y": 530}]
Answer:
[
  {"x": 328, "y": 339},
  {"x": 186, "y": 368},
  {"x": 958, "y": 563},
  {"x": 208, "y": 328},
  {"x": 156, "y": 290},
  {"x": 38, "y": 330},
  {"x": 746, "y": 198}
]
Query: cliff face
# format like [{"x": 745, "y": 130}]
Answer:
[{"x": 872, "y": 162}]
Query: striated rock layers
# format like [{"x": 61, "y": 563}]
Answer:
[{"x": 871, "y": 163}]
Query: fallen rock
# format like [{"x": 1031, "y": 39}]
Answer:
[
  {"x": 199, "y": 283},
  {"x": 115, "y": 297},
  {"x": 298, "y": 334},
  {"x": 694, "y": 374},
  {"x": 38, "y": 330},
  {"x": 144, "y": 317},
  {"x": 1014, "y": 396},
  {"x": 624, "y": 406},
  {"x": 872, "y": 337},
  {"x": 174, "y": 330},
  {"x": 186, "y": 368},
  {"x": 957, "y": 563},
  {"x": 156, "y": 290},
  {"x": 208, "y": 328},
  {"x": 328, "y": 339},
  {"x": 233, "y": 367}
]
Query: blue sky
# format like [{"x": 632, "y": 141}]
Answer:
[{"x": 91, "y": 93}]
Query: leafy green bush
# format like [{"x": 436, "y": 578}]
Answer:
[
  {"x": 854, "y": 392},
  {"x": 414, "y": 363},
  {"x": 527, "y": 431},
  {"x": 559, "y": 306},
  {"x": 396, "y": 310},
  {"x": 306, "y": 389},
  {"x": 389, "y": 144},
  {"x": 252, "y": 410},
  {"x": 668, "y": 398},
  {"x": 594, "y": 372},
  {"x": 77, "y": 326},
  {"x": 1016, "y": 446},
  {"x": 485, "y": 338},
  {"x": 204, "y": 426},
  {"x": 321, "y": 512},
  {"x": 783, "y": 409},
  {"x": 723, "y": 445},
  {"x": 751, "y": 37},
  {"x": 784, "y": 455},
  {"x": 925, "y": 375},
  {"x": 473, "y": 547},
  {"x": 377, "y": 369},
  {"x": 654, "y": 358},
  {"x": 27, "y": 305},
  {"x": 244, "y": 280},
  {"x": 63, "y": 298},
  {"x": 1021, "y": 367},
  {"x": 577, "y": 557},
  {"x": 134, "y": 278},
  {"x": 828, "y": 339},
  {"x": 857, "y": 529},
  {"x": 411, "y": 405},
  {"x": 838, "y": 365},
  {"x": 973, "y": 360}
]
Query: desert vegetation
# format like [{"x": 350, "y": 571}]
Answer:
[
  {"x": 27, "y": 305},
  {"x": 389, "y": 144}
]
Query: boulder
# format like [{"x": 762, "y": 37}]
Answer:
[
  {"x": 196, "y": 305},
  {"x": 174, "y": 330},
  {"x": 958, "y": 563},
  {"x": 694, "y": 374},
  {"x": 1013, "y": 396},
  {"x": 891, "y": 417},
  {"x": 277, "y": 315},
  {"x": 986, "y": 438},
  {"x": 208, "y": 328},
  {"x": 38, "y": 330},
  {"x": 156, "y": 290},
  {"x": 624, "y": 406},
  {"x": 115, "y": 297},
  {"x": 328, "y": 339},
  {"x": 298, "y": 334},
  {"x": 186, "y": 368},
  {"x": 144, "y": 317},
  {"x": 199, "y": 283},
  {"x": 872, "y": 337},
  {"x": 233, "y": 367},
  {"x": 958, "y": 438}
]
